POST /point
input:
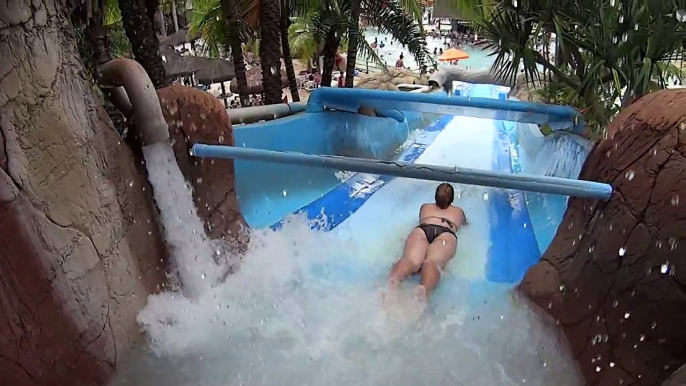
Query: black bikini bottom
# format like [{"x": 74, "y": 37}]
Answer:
[{"x": 432, "y": 231}]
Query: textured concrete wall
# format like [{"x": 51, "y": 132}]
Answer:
[{"x": 79, "y": 244}]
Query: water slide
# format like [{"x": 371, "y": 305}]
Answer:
[{"x": 306, "y": 307}]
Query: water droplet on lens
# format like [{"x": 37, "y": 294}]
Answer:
[
  {"x": 622, "y": 251},
  {"x": 672, "y": 243},
  {"x": 626, "y": 315},
  {"x": 203, "y": 276},
  {"x": 285, "y": 193},
  {"x": 621, "y": 18},
  {"x": 629, "y": 175},
  {"x": 675, "y": 200},
  {"x": 485, "y": 196},
  {"x": 664, "y": 268}
]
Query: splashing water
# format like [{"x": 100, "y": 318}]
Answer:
[
  {"x": 305, "y": 309},
  {"x": 185, "y": 235}
]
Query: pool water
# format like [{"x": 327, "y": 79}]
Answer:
[{"x": 479, "y": 59}]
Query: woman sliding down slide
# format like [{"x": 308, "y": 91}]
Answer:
[{"x": 431, "y": 244}]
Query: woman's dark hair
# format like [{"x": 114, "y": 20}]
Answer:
[{"x": 445, "y": 194}]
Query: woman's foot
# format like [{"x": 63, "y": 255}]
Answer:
[{"x": 420, "y": 293}]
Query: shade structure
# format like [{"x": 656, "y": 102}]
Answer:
[
  {"x": 209, "y": 71},
  {"x": 254, "y": 78},
  {"x": 175, "y": 65},
  {"x": 453, "y": 54},
  {"x": 181, "y": 36}
]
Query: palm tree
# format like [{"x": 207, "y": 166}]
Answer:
[
  {"x": 353, "y": 42},
  {"x": 222, "y": 29},
  {"x": 401, "y": 19},
  {"x": 137, "y": 16},
  {"x": 270, "y": 47},
  {"x": 608, "y": 51},
  {"x": 286, "y": 50},
  {"x": 302, "y": 40},
  {"x": 249, "y": 17},
  {"x": 230, "y": 11}
]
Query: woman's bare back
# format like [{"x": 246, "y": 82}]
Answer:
[{"x": 432, "y": 214}]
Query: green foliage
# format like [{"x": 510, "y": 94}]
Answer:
[
  {"x": 316, "y": 18},
  {"x": 610, "y": 52},
  {"x": 120, "y": 46},
  {"x": 208, "y": 22}
]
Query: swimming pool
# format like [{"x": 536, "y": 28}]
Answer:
[{"x": 479, "y": 59}]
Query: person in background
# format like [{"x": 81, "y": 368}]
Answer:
[
  {"x": 432, "y": 243},
  {"x": 399, "y": 62}
]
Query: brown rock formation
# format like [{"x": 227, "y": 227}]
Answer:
[
  {"x": 79, "y": 245},
  {"x": 389, "y": 80},
  {"x": 195, "y": 116},
  {"x": 614, "y": 276}
]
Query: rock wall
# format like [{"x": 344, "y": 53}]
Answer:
[
  {"x": 195, "y": 116},
  {"x": 79, "y": 245},
  {"x": 614, "y": 276}
]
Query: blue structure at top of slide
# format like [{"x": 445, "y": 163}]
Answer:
[{"x": 346, "y": 99}]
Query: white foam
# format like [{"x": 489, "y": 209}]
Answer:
[{"x": 192, "y": 253}]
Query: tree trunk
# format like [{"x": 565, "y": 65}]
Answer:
[
  {"x": 330, "y": 47},
  {"x": 98, "y": 40},
  {"x": 99, "y": 43},
  {"x": 79, "y": 247},
  {"x": 286, "y": 50},
  {"x": 144, "y": 44},
  {"x": 230, "y": 9},
  {"x": 353, "y": 41},
  {"x": 175, "y": 17},
  {"x": 158, "y": 23},
  {"x": 270, "y": 47}
]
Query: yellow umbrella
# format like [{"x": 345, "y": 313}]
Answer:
[{"x": 453, "y": 54}]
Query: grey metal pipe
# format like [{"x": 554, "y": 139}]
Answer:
[
  {"x": 268, "y": 112},
  {"x": 144, "y": 105},
  {"x": 543, "y": 184}
]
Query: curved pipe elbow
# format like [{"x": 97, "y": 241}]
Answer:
[{"x": 143, "y": 105}]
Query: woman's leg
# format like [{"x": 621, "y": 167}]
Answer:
[
  {"x": 415, "y": 252},
  {"x": 438, "y": 254}
]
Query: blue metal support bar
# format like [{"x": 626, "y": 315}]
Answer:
[
  {"x": 351, "y": 99},
  {"x": 554, "y": 185}
]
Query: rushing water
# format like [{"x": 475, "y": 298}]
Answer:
[{"x": 191, "y": 251}]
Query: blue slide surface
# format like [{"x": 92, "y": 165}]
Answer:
[{"x": 346, "y": 99}]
